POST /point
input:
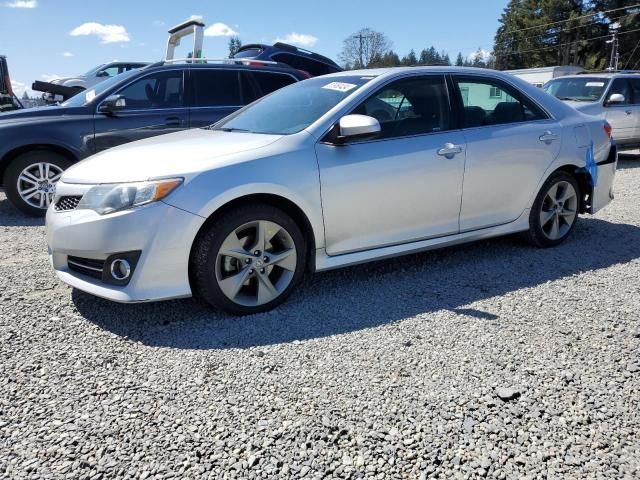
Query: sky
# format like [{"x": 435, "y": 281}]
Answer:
[{"x": 44, "y": 39}]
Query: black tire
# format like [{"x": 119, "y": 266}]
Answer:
[
  {"x": 205, "y": 251},
  {"x": 536, "y": 235},
  {"x": 18, "y": 165}
]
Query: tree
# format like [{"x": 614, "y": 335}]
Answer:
[
  {"x": 539, "y": 33},
  {"x": 234, "y": 45},
  {"x": 363, "y": 47},
  {"x": 25, "y": 95},
  {"x": 411, "y": 59},
  {"x": 459, "y": 60}
]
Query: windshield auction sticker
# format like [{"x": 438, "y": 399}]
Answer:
[
  {"x": 594, "y": 84},
  {"x": 340, "y": 86},
  {"x": 90, "y": 95}
]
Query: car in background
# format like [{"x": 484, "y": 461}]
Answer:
[
  {"x": 310, "y": 62},
  {"x": 305, "y": 179},
  {"x": 89, "y": 79},
  {"x": 37, "y": 145},
  {"x": 614, "y": 97},
  {"x": 8, "y": 100}
]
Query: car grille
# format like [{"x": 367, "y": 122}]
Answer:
[
  {"x": 86, "y": 266},
  {"x": 67, "y": 203}
]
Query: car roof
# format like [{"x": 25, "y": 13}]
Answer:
[
  {"x": 285, "y": 47},
  {"x": 605, "y": 75},
  {"x": 231, "y": 64}
]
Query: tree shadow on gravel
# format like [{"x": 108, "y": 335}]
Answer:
[
  {"x": 374, "y": 294},
  {"x": 10, "y": 216}
]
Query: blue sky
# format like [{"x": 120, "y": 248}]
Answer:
[{"x": 47, "y": 38}]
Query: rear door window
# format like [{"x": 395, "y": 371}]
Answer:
[
  {"x": 216, "y": 88},
  {"x": 268, "y": 82},
  {"x": 487, "y": 101},
  {"x": 635, "y": 90}
]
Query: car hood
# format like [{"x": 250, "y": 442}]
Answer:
[
  {"x": 177, "y": 154},
  {"x": 592, "y": 108},
  {"x": 31, "y": 114}
]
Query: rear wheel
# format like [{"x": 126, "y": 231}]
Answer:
[
  {"x": 249, "y": 260},
  {"x": 555, "y": 211},
  {"x": 30, "y": 180}
]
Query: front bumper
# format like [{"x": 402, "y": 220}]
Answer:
[{"x": 162, "y": 233}]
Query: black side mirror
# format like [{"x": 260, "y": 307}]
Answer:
[{"x": 113, "y": 104}]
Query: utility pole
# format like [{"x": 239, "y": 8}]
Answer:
[
  {"x": 361, "y": 37},
  {"x": 615, "y": 54}
]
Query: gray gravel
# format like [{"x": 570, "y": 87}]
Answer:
[{"x": 493, "y": 359}]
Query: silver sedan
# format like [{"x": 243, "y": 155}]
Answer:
[{"x": 329, "y": 172}]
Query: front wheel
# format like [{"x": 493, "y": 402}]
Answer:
[
  {"x": 555, "y": 211},
  {"x": 30, "y": 180},
  {"x": 249, "y": 260}
]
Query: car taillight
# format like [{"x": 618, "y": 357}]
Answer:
[
  {"x": 305, "y": 74},
  {"x": 607, "y": 129}
]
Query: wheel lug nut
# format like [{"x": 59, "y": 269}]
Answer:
[
  {"x": 266, "y": 259},
  {"x": 257, "y": 253},
  {"x": 262, "y": 270},
  {"x": 252, "y": 271},
  {"x": 248, "y": 260}
]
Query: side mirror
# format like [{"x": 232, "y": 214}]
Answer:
[
  {"x": 103, "y": 73},
  {"x": 616, "y": 98},
  {"x": 112, "y": 104},
  {"x": 361, "y": 127}
]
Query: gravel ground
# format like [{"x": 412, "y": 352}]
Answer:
[{"x": 493, "y": 359}]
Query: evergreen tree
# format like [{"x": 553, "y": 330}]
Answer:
[
  {"x": 234, "y": 46},
  {"x": 459, "y": 60},
  {"x": 411, "y": 59}
]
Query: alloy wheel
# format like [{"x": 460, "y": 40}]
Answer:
[
  {"x": 256, "y": 263},
  {"x": 37, "y": 184},
  {"x": 559, "y": 210}
]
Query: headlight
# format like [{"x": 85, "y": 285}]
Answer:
[{"x": 111, "y": 198}]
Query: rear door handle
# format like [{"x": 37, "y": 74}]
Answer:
[
  {"x": 548, "y": 137},
  {"x": 449, "y": 150},
  {"x": 173, "y": 121}
]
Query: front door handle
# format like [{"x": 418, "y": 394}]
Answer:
[
  {"x": 172, "y": 121},
  {"x": 449, "y": 150},
  {"x": 548, "y": 137},
  {"x": 628, "y": 112}
]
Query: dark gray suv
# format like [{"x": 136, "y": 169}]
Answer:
[{"x": 37, "y": 145}]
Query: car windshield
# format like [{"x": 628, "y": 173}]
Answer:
[
  {"x": 293, "y": 108},
  {"x": 86, "y": 96},
  {"x": 94, "y": 70},
  {"x": 583, "y": 89}
]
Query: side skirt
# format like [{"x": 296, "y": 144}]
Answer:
[{"x": 328, "y": 262}]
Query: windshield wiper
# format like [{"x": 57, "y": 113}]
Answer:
[{"x": 230, "y": 129}]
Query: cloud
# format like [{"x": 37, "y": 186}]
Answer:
[
  {"x": 106, "y": 33},
  {"x": 21, "y": 4},
  {"x": 159, "y": 23},
  {"x": 484, "y": 54},
  {"x": 220, "y": 30},
  {"x": 48, "y": 78},
  {"x": 67, "y": 54},
  {"x": 300, "y": 39}
]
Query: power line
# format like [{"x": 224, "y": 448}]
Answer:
[
  {"x": 577, "y": 18},
  {"x": 564, "y": 44},
  {"x": 634, "y": 51},
  {"x": 540, "y": 35}
]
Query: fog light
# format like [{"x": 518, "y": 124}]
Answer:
[{"x": 120, "y": 269}]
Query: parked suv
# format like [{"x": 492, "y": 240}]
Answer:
[
  {"x": 614, "y": 97},
  {"x": 37, "y": 145},
  {"x": 310, "y": 62}
]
